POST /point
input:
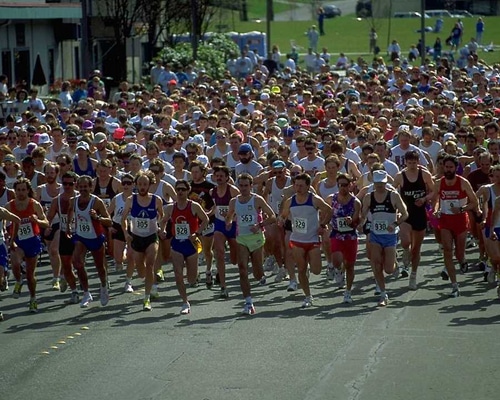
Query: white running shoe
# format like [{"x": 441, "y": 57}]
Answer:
[
  {"x": 292, "y": 286},
  {"x": 282, "y": 273},
  {"x": 339, "y": 277},
  {"x": 269, "y": 264},
  {"x": 186, "y": 309},
  {"x": 104, "y": 295},
  {"x": 86, "y": 300},
  {"x": 248, "y": 309},
  {"x": 308, "y": 302},
  {"x": 128, "y": 288},
  {"x": 384, "y": 300},
  {"x": 412, "y": 284},
  {"x": 347, "y": 297}
]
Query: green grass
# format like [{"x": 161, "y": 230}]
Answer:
[{"x": 349, "y": 35}]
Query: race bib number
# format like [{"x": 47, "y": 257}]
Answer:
[
  {"x": 446, "y": 205},
  {"x": 182, "y": 231},
  {"x": 84, "y": 228},
  {"x": 247, "y": 220},
  {"x": 208, "y": 230},
  {"x": 106, "y": 202},
  {"x": 342, "y": 225},
  {"x": 143, "y": 224},
  {"x": 380, "y": 226},
  {"x": 300, "y": 225},
  {"x": 222, "y": 211},
  {"x": 25, "y": 231}
]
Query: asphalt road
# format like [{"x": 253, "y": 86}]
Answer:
[{"x": 424, "y": 345}]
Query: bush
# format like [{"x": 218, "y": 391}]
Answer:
[{"x": 212, "y": 55}]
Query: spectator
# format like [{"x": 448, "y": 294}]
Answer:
[{"x": 479, "y": 30}]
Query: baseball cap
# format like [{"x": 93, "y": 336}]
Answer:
[
  {"x": 112, "y": 126},
  {"x": 119, "y": 134},
  {"x": 380, "y": 176},
  {"x": 100, "y": 137},
  {"x": 278, "y": 164},
  {"x": 245, "y": 148},
  {"x": 83, "y": 145},
  {"x": 9, "y": 157},
  {"x": 87, "y": 125},
  {"x": 44, "y": 138}
]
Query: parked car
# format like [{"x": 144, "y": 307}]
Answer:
[
  {"x": 332, "y": 11},
  {"x": 461, "y": 14},
  {"x": 438, "y": 13},
  {"x": 364, "y": 8},
  {"x": 409, "y": 14}
]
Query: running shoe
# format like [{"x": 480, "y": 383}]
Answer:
[
  {"x": 33, "y": 307},
  {"x": 292, "y": 286},
  {"x": 224, "y": 294},
  {"x": 104, "y": 295},
  {"x": 56, "y": 285},
  {"x": 154, "y": 292},
  {"x": 471, "y": 242},
  {"x": 87, "y": 299},
  {"x": 444, "y": 275},
  {"x": 263, "y": 280},
  {"x": 384, "y": 300},
  {"x": 1, "y": 317},
  {"x": 5, "y": 284},
  {"x": 492, "y": 277},
  {"x": 377, "y": 289},
  {"x": 455, "y": 291},
  {"x": 74, "y": 299},
  {"x": 347, "y": 297},
  {"x": 269, "y": 264},
  {"x": 405, "y": 272},
  {"x": 248, "y": 309},
  {"x": 282, "y": 273},
  {"x": 330, "y": 272},
  {"x": 339, "y": 278},
  {"x": 128, "y": 288},
  {"x": 396, "y": 272},
  {"x": 208, "y": 279},
  {"x": 17, "y": 290},
  {"x": 186, "y": 309},
  {"x": 464, "y": 267},
  {"x": 308, "y": 302},
  {"x": 63, "y": 285},
  {"x": 160, "y": 276},
  {"x": 147, "y": 305},
  {"x": 412, "y": 284}
]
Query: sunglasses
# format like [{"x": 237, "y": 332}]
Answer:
[
  {"x": 68, "y": 183},
  {"x": 220, "y": 137},
  {"x": 127, "y": 183},
  {"x": 343, "y": 184},
  {"x": 181, "y": 189}
]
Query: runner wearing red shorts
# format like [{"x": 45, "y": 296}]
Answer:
[
  {"x": 303, "y": 208},
  {"x": 344, "y": 238},
  {"x": 454, "y": 197}
]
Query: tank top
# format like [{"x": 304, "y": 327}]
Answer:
[
  {"x": 64, "y": 217},
  {"x": 276, "y": 195},
  {"x": 451, "y": 196},
  {"x": 34, "y": 180},
  {"x": 85, "y": 226},
  {"x": 27, "y": 229},
  {"x": 246, "y": 215},
  {"x": 104, "y": 193},
  {"x": 345, "y": 168},
  {"x": 144, "y": 219},
  {"x": 221, "y": 203},
  {"x": 159, "y": 192},
  {"x": 305, "y": 220},
  {"x": 119, "y": 207},
  {"x": 324, "y": 191},
  {"x": 184, "y": 222},
  {"x": 491, "y": 208},
  {"x": 46, "y": 201},
  {"x": 88, "y": 171},
  {"x": 412, "y": 191},
  {"x": 231, "y": 163},
  {"x": 383, "y": 214},
  {"x": 340, "y": 229}
]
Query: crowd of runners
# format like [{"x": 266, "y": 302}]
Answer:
[{"x": 273, "y": 172}]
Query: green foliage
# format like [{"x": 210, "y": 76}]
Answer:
[{"x": 212, "y": 55}]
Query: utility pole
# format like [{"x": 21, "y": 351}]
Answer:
[{"x": 85, "y": 42}]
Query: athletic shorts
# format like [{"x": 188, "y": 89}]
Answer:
[
  {"x": 119, "y": 235},
  {"x": 66, "y": 245},
  {"x": 456, "y": 223},
  {"x": 4, "y": 256},
  {"x": 252, "y": 242},
  {"x": 307, "y": 247},
  {"x": 384, "y": 240},
  {"x": 487, "y": 232},
  {"x": 184, "y": 246},
  {"x": 32, "y": 247},
  {"x": 140, "y": 243},
  {"x": 220, "y": 226},
  {"x": 50, "y": 237},
  {"x": 90, "y": 244},
  {"x": 348, "y": 248},
  {"x": 417, "y": 219}
]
